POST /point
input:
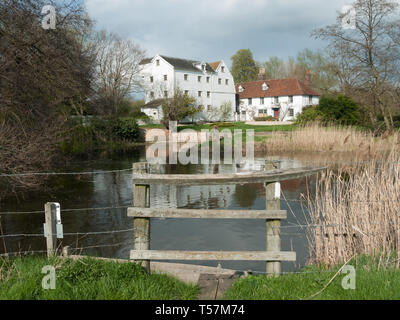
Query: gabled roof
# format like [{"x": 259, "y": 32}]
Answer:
[
  {"x": 215, "y": 65},
  {"x": 182, "y": 64},
  {"x": 276, "y": 88},
  {"x": 154, "y": 104}
]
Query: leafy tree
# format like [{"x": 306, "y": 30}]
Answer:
[
  {"x": 244, "y": 68},
  {"x": 226, "y": 110},
  {"x": 179, "y": 107}
]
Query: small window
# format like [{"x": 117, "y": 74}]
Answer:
[
  {"x": 203, "y": 67},
  {"x": 222, "y": 69},
  {"x": 209, "y": 108},
  {"x": 290, "y": 99},
  {"x": 241, "y": 89},
  {"x": 151, "y": 79},
  {"x": 250, "y": 101},
  {"x": 226, "y": 81},
  {"x": 165, "y": 77},
  {"x": 291, "y": 112},
  {"x": 208, "y": 79},
  {"x": 187, "y": 92},
  {"x": 157, "y": 62},
  {"x": 261, "y": 100},
  {"x": 165, "y": 94},
  {"x": 199, "y": 94},
  {"x": 199, "y": 79},
  {"x": 310, "y": 99},
  {"x": 219, "y": 81},
  {"x": 185, "y": 77},
  {"x": 152, "y": 95},
  {"x": 208, "y": 94},
  {"x": 276, "y": 99}
]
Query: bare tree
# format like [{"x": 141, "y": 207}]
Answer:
[
  {"x": 370, "y": 48},
  {"x": 118, "y": 68}
]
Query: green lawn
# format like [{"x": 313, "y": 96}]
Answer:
[
  {"x": 371, "y": 283},
  {"x": 87, "y": 279},
  {"x": 231, "y": 126}
]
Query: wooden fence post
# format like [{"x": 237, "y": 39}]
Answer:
[
  {"x": 51, "y": 228},
  {"x": 272, "y": 192},
  {"x": 141, "y": 226}
]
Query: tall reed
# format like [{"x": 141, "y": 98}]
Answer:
[{"x": 356, "y": 211}]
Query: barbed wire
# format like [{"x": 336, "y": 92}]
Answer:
[{"x": 28, "y": 174}]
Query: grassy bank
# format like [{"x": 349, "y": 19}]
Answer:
[
  {"x": 371, "y": 282},
  {"x": 87, "y": 279}
]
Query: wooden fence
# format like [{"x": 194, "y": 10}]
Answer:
[{"x": 142, "y": 213}]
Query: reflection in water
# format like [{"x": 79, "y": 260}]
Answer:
[{"x": 115, "y": 190}]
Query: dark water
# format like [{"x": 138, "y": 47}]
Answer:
[{"x": 115, "y": 190}]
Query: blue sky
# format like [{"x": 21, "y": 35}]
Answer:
[{"x": 212, "y": 30}]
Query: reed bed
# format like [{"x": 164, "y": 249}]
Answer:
[
  {"x": 355, "y": 211},
  {"x": 316, "y": 138}
]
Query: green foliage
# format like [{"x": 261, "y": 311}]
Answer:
[
  {"x": 340, "y": 110},
  {"x": 87, "y": 279},
  {"x": 244, "y": 68},
  {"x": 179, "y": 107},
  {"x": 268, "y": 118},
  {"x": 86, "y": 135}
]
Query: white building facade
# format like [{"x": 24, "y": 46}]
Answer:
[
  {"x": 211, "y": 84},
  {"x": 281, "y": 99}
]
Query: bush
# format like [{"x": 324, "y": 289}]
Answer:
[
  {"x": 268, "y": 118},
  {"x": 125, "y": 129},
  {"x": 332, "y": 110}
]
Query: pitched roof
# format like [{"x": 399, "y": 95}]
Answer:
[
  {"x": 276, "y": 88},
  {"x": 215, "y": 65},
  {"x": 181, "y": 64},
  {"x": 154, "y": 104}
]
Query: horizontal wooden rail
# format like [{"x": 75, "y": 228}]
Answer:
[
  {"x": 206, "y": 214},
  {"x": 233, "y": 178},
  {"x": 212, "y": 255}
]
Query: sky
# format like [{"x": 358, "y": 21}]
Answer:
[{"x": 213, "y": 30}]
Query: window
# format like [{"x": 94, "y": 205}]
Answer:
[
  {"x": 291, "y": 112},
  {"x": 262, "y": 112},
  {"x": 187, "y": 92},
  {"x": 264, "y": 87},
  {"x": 276, "y": 99},
  {"x": 222, "y": 69},
  {"x": 185, "y": 77},
  {"x": 261, "y": 100},
  {"x": 157, "y": 62},
  {"x": 165, "y": 77},
  {"x": 208, "y": 94},
  {"x": 203, "y": 67},
  {"x": 208, "y": 79},
  {"x": 290, "y": 99},
  {"x": 151, "y": 95},
  {"x": 199, "y": 94},
  {"x": 199, "y": 78},
  {"x": 209, "y": 108},
  {"x": 226, "y": 81},
  {"x": 151, "y": 79},
  {"x": 241, "y": 89},
  {"x": 219, "y": 81},
  {"x": 310, "y": 99},
  {"x": 250, "y": 101},
  {"x": 165, "y": 94}
]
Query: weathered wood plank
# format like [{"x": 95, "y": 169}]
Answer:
[
  {"x": 206, "y": 214},
  {"x": 234, "y": 178},
  {"x": 212, "y": 255}
]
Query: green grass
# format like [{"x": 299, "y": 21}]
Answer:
[
  {"x": 371, "y": 283},
  {"x": 230, "y": 126},
  {"x": 87, "y": 279}
]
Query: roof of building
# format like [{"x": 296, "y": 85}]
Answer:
[
  {"x": 182, "y": 64},
  {"x": 215, "y": 65},
  {"x": 276, "y": 88},
  {"x": 154, "y": 104}
]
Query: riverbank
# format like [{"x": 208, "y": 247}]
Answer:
[{"x": 87, "y": 279}]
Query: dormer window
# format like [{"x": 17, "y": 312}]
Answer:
[
  {"x": 241, "y": 89},
  {"x": 264, "y": 87},
  {"x": 222, "y": 69},
  {"x": 203, "y": 67}
]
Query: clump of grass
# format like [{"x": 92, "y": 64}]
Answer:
[
  {"x": 371, "y": 282},
  {"x": 87, "y": 279},
  {"x": 356, "y": 211},
  {"x": 316, "y": 138}
]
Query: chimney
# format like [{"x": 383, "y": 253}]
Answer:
[
  {"x": 261, "y": 74},
  {"x": 307, "y": 78}
]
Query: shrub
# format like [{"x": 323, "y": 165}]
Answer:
[{"x": 126, "y": 129}]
